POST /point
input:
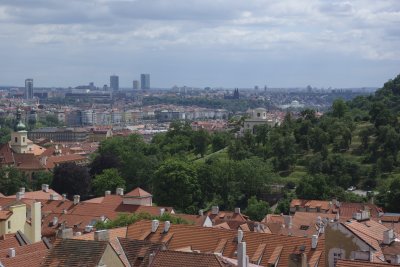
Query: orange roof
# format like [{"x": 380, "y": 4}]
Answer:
[
  {"x": 39, "y": 195},
  {"x": 26, "y": 249},
  {"x": 207, "y": 240},
  {"x": 5, "y": 214},
  {"x": 113, "y": 237},
  {"x": 54, "y": 160},
  {"x": 138, "y": 193},
  {"x": 170, "y": 258},
  {"x": 353, "y": 263},
  {"x": 33, "y": 259}
]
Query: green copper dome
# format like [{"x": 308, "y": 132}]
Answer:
[{"x": 19, "y": 126}]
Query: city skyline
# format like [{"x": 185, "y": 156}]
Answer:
[{"x": 204, "y": 43}]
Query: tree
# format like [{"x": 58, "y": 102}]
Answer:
[
  {"x": 41, "y": 177},
  {"x": 339, "y": 108},
  {"x": 71, "y": 179},
  {"x": 11, "y": 180},
  {"x": 175, "y": 184},
  {"x": 200, "y": 140},
  {"x": 109, "y": 179},
  {"x": 313, "y": 187},
  {"x": 257, "y": 209},
  {"x": 219, "y": 141}
]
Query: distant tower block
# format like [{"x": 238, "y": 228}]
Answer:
[
  {"x": 114, "y": 82},
  {"x": 29, "y": 88},
  {"x": 145, "y": 81},
  {"x": 135, "y": 85}
]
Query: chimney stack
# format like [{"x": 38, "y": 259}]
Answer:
[
  {"x": 304, "y": 262},
  {"x": 64, "y": 197},
  {"x": 22, "y": 190},
  {"x": 19, "y": 195},
  {"x": 151, "y": 258},
  {"x": 162, "y": 211},
  {"x": 237, "y": 210},
  {"x": 101, "y": 235},
  {"x": 107, "y": 193},
  {"x": 45, "y": 188},
  {"x": 53, "y": 197},
  {"x": 215, "y": 210},
  {"x": 388, "y": 237},
  {"x": 201, "y": 212},
  {"x": 314, "y": 241},
  {"x": 288, "y": 221},
  {"x": 167, "y": 225},
  {"x": 242, "y": 258},
  {"x": 54, "y": 221},
  {"x": 240, "y": 236},
  {"x": 77, "y": 199},
  {"x": 154, "y": 225},
  {"x": 119, "y": 191},
  {"x": 11, "y": 252}
]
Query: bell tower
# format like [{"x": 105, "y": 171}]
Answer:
[{"x": 19, "y": 137}]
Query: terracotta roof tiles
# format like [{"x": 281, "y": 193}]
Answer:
[
  {"x": 74, "y": 253},
  {"x": 352, "y": 263},
  {"x": 207, "y": 239},
  {"x": 188, "y": 259},
  {"x": 138, "y": 192}
]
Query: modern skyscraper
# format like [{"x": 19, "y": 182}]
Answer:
[
  {"x": 29, "y": 88},
  {"x": 135, "y": 85},
  {"x": 114, "y": 82},
  {"x": 145, "y": 81}
]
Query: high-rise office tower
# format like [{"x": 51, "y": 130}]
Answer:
[
  {"x": 29, "y": 88},
  {"x": 145, "y": 81},
  {"x": 114, "y": 82},
  {"x": 135, "y": 85}
]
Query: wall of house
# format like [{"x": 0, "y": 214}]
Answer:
[
  {"x": 17, "y": 219},
  {"x": 33, "y": 230},
  {"x": 341, "y": 243},
  {"x": 110, "y": 258},
  {"x": 138, "y": 201}
]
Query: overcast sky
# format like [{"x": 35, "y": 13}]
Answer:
[{"x": 229, "y": 43}]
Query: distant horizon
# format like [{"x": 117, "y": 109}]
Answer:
[{"x": 226, "y": 43}]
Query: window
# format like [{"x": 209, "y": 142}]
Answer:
[
  {"x": 23, "y": 139},
  {"x": 16, "y": 139},
  {"x": 258, "y": 114},
  {"x": 9, "y": 224}
]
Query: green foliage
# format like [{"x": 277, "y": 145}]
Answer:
[
  {"x": 200, "y": 141},
  {"x": 127, "y": 219},
  {"x": 175, "y": 184},
  {"x": 257, "y": 209},
  {"x": 11, "y": 180},
  {"x": 109, "y": 179},
  {"x": 71, "y": 179},
  {"x": 41, "y": 177}
]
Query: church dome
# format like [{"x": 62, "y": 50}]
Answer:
[{"x": 20, "y": 127}]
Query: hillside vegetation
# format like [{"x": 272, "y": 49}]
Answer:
[{"x": 355, "y": 144}]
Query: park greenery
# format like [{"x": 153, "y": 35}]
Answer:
[{"x": 307, "y": 156}]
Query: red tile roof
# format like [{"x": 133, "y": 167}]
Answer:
[
  {"x": 170, "y": 258},
  {"x": 207, "y": 239},
  {"x": 39, "y": 195},
  {"x": 352, "y": 263},
  {"x": 33, "y": 259},
  {"x": 72, "y": 252},
  {"x": 138, "y": 192}
]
